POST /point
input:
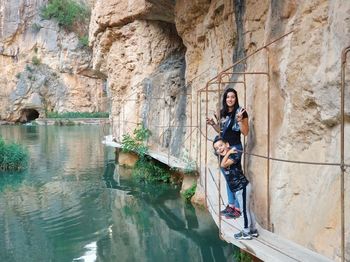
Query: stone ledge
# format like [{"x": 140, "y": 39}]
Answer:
[{"x": 169, "y": 160}]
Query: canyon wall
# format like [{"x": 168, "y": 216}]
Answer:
[
  {"x": 154, "y": 59},
  {"x": 136, "y": 46},
  {"x": 157, "y": 56},
  {"x": 44, "y": 67}
]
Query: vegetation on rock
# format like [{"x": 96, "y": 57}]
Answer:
[
  {"x": 137, "y": 142},
  {"x": 188, "y": 194},
  {"x": 84, "y": 41},
  {"x": 36, "y": 61},
  {"x": 145, "y": 168},
  {"x": 12, "y": 156},
  {"x": 77, "y": 115},
  {"x": 65, "y": 12}
]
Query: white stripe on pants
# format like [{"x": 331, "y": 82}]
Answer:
[{"x": 243, "y": 197}]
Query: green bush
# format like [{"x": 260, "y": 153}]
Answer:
[
  {"x": 36, "y": 27},
  {"x": 77, "y": 115},
  {"x": 65, "y": 12},
  {"x": 188, "y": 194},
  {"x": 84, "y": 41},
  {"x": 241, "y": 256},
  {"x": 147, "y": 170},
  {"x": 12, "y": 156},
  {"x": 136, "y": 143},
  {"x": 29, "y": 69},
  {"x": 36, "y": 61}
]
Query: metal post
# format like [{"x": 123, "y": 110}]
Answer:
[
  {"x": 244, "y": 137},
  {"x": 342, "y": 151},
  {"x": 219, "y": 173},
  {"x": 268, "y": 143}
]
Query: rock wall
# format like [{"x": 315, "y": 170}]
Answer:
[
  {"x": 137, "y": 47},
  {"x": 304, "y": 70},
  {"x": 141, "y": 54},
  {"x": 44, "y": 67}
]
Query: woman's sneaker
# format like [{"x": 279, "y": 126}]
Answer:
[
  {"x": 227, "y": 210},
  {"x": 254, "y": 233},
  {"x": 234, "y": 213},
  {"x": 243, "y": 236}
]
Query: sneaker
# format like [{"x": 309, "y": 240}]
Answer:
[
  {"x": 243, "y": 236},
  {"x": 254, "y": 233},
  {"x": 227, "y": 210},
  {"x": 234, "y": 213}
]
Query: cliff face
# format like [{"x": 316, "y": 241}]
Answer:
[
  {"x": 137, "y": 47},
  {"x": 139, "y": 51},
  {"x": 44, "y": 67}
]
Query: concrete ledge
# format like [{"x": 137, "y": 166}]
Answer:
[{"x": 169, "y": 160}]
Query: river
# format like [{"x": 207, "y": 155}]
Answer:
[{"x": 73, "y": 203}]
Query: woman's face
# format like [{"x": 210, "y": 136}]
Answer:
[{"x": 230, "y": 99}]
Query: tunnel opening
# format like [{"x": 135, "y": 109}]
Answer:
[{"x": 28, "y": 115}]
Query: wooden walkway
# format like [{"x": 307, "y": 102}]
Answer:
[
  {"x": 169, "y": 160},
  {"x": 268, "y": 246}
]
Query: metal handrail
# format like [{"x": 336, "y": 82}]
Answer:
[{"x": 218, "y": 80}]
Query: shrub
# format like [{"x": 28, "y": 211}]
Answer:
[
  {"x": 146, "y": 170},
  {"x": 84, "y": 41},
  {"x": 188, "y": 194},
  {"x": 18, "y": 75},
  {"x": 136, "y": 143},
  {"x": 65, "y": 12},
  {"x": 36, "y": 27},
  {"x": 241, "y": 256},
  {"x": 29, "y": 69},
  {"x": 12, "y": 156},
  {"x": 36, "y": 61},
  {"x": 77, "y": 115}
]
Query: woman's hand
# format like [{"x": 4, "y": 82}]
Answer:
[
  {"x": 239, "y": 116},
  {"x": 210, "y": 121}
]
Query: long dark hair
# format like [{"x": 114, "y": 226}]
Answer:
[{"x": 224, "y": 111}]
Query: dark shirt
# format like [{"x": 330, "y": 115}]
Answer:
[
  {"x": 231, "y": 135},
  {"x": 234, "y": 176}
]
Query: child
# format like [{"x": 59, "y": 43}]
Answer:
[{"x": 238, "y": 184}]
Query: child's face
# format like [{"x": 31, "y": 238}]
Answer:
[{"x": 221, "y": 148}]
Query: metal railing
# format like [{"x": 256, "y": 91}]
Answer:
[
  {"x": 199, "y": 131},
  {"x": 220, "y": 81}
]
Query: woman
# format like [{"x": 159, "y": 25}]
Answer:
[{"x": 233, "y": 122}]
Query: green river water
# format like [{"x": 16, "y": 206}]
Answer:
[{"x": 74, "y": 203}]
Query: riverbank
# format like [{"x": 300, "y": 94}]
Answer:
[
  {"x": 63, "y": 121},
  {"x": 71, "y": 121}
]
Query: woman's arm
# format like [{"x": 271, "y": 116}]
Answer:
[
  {"x": 216, "y": 126},
  {"x": 243, "y": 124}
]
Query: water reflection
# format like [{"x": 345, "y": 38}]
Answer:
[{"x": 73, "y": 203}]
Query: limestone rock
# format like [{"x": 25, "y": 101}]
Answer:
[{"x": 34, "y": 52}]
